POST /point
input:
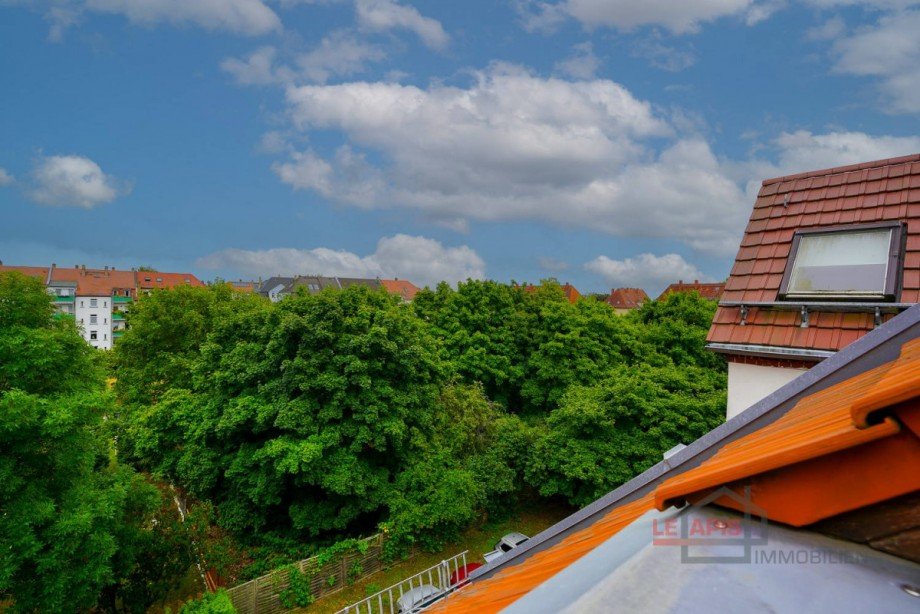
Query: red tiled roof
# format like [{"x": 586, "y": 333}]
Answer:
[
  {"x": 406, "y": 289},
  {"x": 571, "y": 293},
  {"x": 626, "y": 298},
  {"x": 709, "y": 291},
  {"x": 885, "y": 190},
  {"x": 148, "y": 280},
  {"x": 95, "y": 282},
  {"x": 31, "y": 271}
]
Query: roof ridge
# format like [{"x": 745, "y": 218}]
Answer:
[{"x": 835, "y": 170}]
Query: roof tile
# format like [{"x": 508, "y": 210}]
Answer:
[{"x": 882, "y": 190}]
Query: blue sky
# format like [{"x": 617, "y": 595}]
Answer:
[{"x": 606, "y": 143}]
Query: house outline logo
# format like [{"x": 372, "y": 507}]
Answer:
[{"x": 747, "y": 540}]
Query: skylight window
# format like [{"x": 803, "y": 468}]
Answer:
[{"x": 855, "y": 262}]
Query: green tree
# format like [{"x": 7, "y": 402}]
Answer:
[
  {"x": 70, "y": 513},
  {"x": 167, "y": 330},
  {"x": 677, "y": 325},
  {"x": 603, "y": 435},
  {"x": 300, "y": 414}
]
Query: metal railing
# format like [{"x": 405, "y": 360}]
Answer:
[{"x": 438, "y": 580}]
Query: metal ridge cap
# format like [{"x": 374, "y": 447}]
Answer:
[{"x": 770, "y": 351}]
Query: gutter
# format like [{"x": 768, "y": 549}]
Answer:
[{"x": 769, "y": 351}]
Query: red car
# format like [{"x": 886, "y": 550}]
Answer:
[{"x": 459, "y": 577}]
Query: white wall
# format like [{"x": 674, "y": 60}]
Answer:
[
  {"x": 748, "y": 384},
  {"x": 103, "y": 325}
]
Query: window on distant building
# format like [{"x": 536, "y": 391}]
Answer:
[
  {"x": 93, "y": 336},
  {"x": 314, "y": 286},
  {"x": 159, "y": 280},
  {"x": 93, "y": 318},
  {"x": 857, "y": 262},
  {"x": 93, "y": 302}
]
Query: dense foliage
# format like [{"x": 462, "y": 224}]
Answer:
[
  {"x": 299, "y": 424},
  {"x": 326, "y": 416},
  {"x": 75, "y": 524}
]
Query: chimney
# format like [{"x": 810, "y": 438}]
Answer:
[
  {"x": 53, "y": 265},
  {"x": 696, "y": 281},
  {"x": 83, "y": 267}
]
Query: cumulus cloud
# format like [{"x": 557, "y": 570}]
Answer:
[
  {"x": 419, "y": 259},
  {"x": 645, "y": 270},
  {"x": 802, "y": 150},
  {"x": 889, "y": 51},
  {"x": 5, "y": 177},
  {"x": 73, "y": 181},
  {"x": 513, "y": 145},
  {"x": 381, "y": 15},
  {"x": 678, "y": 17},
  {"x": 517, "y": 146},
  {"x": 246, "y": 17}
]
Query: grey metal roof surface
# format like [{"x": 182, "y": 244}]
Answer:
[
  {"x": 875, "y": 348},
  {"x": 791, "y": 571}
]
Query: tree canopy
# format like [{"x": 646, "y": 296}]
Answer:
[{"x": 74, "y": 520}]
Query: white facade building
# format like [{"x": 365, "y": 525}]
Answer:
[{"x": 94, "y": 317}]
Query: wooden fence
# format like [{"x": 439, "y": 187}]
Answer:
[{"x": 261, "y": 595}]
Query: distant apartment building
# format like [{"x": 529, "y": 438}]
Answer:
[
  {"x": 276, "y": 288},
  {"x": 98, "y": 299}
]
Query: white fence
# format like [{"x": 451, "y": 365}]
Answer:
[{"x": 421, "y": 589}]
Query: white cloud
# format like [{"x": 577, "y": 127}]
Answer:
[
  {"x": 73, "y": 181},
  {"x": 678, "y": 17},
  {"x": 247, "y": 17},
  {"x": 889, "y": 51},
  {"x": 381, "y": 15},
  {"x": 515, "y": 146},
  {"x": 829, "y": 30},
  {"x": 804, "y": 151},
  {"x": 5, "y": 177},
  {"x": 582, "y": 64},
  {"x": 645, "y": 270},
  {"x": 340, "y": 53},
  {"x": 420, "y": 260},
  {"x": 256, "y": 69}
]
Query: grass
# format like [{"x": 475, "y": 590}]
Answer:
[{"x": 477, "y": 540}]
